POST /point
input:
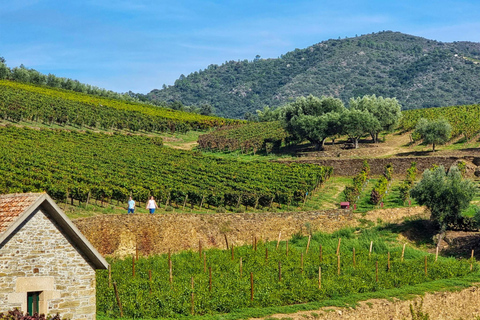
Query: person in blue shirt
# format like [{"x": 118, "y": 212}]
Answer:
[{"x": 131, "y": 205}]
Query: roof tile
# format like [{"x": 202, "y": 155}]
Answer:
[{"x": 13, "y": 205}]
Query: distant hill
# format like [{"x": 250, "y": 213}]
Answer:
[{"x": 418, "y": 72}]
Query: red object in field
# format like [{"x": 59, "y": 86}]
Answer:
[
  {"x": 354, "y": 206},
  {"x": 381, "y": 204},
  {"x": 345, "y": 205}
]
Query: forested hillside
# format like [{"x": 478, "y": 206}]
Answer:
[{"x": 418, "y": 72}]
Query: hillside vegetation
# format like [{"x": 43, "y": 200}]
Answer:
[
  {"x": 25, "y": 102},
  {"x": 418, "y": 72}
]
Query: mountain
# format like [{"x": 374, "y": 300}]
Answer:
[{"x": 418, "y": 72}]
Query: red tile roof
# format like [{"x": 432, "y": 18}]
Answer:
[{"x": 13, "y": 205}]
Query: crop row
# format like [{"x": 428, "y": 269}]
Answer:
[
  {"x": 100, "y": 166},
  {"x": 254, "y": 136},
  {"x": 23, "y": 102},
  {"x": 465, "y": 120},
  {"x": 266, "y": 275}
]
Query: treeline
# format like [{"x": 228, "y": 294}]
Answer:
[
  {"x": 23, "y": 102},
  {"x": 92, "y": 166}
]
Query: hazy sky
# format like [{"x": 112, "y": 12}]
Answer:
[{"x": 140, "y": 45}]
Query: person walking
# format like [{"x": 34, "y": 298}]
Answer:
[
  {"x": 152, "y": 205},
  {"x": 131, "y": 205}
]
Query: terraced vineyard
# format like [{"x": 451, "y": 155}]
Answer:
[
  {"x": 254, "y": 136},
  {"x": 23, "y": 102},
  {"x": 90, "y": 165}
]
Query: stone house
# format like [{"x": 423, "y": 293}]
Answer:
[{"x": 46, "y": 264}]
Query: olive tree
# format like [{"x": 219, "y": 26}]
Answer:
[
  {"x": 433, "y": 131},
  {"x": 446, "y": 195},
  {"x": 356, "y": 123}
]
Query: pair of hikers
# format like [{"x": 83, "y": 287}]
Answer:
[{"x": 151, "y": 205}]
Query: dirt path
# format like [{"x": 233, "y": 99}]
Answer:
[{"x": 463, "y": 305}]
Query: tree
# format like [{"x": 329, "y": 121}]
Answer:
[
  {"x": 388, "y": 112},
  {"x": 356, "y": 123},
  {"x": 206, "y": 109},
  {"x": 446, "y": 195},
  {"x": 433, "y": 131}
]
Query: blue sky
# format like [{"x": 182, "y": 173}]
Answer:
[{"x": 141, "y": 45}]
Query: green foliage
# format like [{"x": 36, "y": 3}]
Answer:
[
  {"x": 253, "y": 136},
  {"x": 231, "y": 290},
  {"x": 22, "y": 102},
  {"x": 388, "y": 172},
  {"x": 352, "y": 192},
  {"x": 113, "y": 166},
  {"x": 379, "y": 190},
  {"x": 445, "y": 195},
  {"x": 434, "y": 132},
  {"x": 419, "y": 72},
  {"x": 356, "y": 123}
]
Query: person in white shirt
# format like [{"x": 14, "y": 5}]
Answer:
[
  {"x": 131, "y": 205},
  {"x": 152, "y": 205}
]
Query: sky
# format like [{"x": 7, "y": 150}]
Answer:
[{"x": 141, "y": 45}]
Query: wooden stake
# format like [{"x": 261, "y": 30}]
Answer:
[
  {"x": 308, "y": 243},
  {"x": 255, "y": 244},
  {"x": 109, "y": 276},
  {"x": 133, "y": 266},
  {"x": 209, "y": 278},
  {"x": 241, "y": 266},
  {"x": 266, "y": 254},
  {"x": 201, "y": 202},
  {"x": 354, "y": 258},
  {"x": 426, "y": 272},
  {"x": 371, "y": 247},
  {"x": 319, "y": 278},
  {"x": 251, "y": 286},
  {"x": 338, "y": 264},
  {"x": 403, "y": 252},
  {"x": 185, "y": 202},
  {"x": 226, "y": 240},
  {"x": 192, "y": 300},
  {"x": 471, "y": 261},
  {"x": 338, "y": 246},
  {"x": 170, "y": 271},
  {"x": 376, "y": 271},
  {"x": 321, "y": 254},
  {"x": 278, "y": 241},
  {"x": 436, "y": 255},
  {"x": 88, "y": 199},
  {"x": 473, "y": 251},
  {"x": 279, "y": 271},
  {"x": 118, "y": 299},
  {"x": 169, "y": 256}
]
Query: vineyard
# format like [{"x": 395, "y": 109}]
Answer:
[
  {"x": 23, "y": 102},
  {"x": 272, "y": 274},
  {"x": 92, "y": 166},
  {"x": 465, "y": 120},
  {"x": 254, "y": 137}
]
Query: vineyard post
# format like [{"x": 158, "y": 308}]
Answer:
[
  {"x": 271, "y": 201},
  {"x": 168, "y": 199},
  {"x": 88, "y": 199},
  {"x": 320, "y": 254},
  {"x": 251, "y": 286},
  {"x": 403, "y": 252},
  {"x": 133, "y": 266},
  {"x": 109, "y": 276},
  {"x": 301, "y": 262},
  {"x": 201, "y": 202},
  {"x": 376, "y": 271},
  {"x": 239, "y": 200},
  {"x": 241, "y": 266},
  {"x": 192, "y": 300},
  {"x": 471, "y": 260},
  {"x": 319, "y": 278},
  {"x": 209, "y": 278},
  {"x": 436, "y": 254},
  {"x": 308, "y": 243},
  {"x": 354, "y": 264},
  {"x": 170, "y": 272},
  {"x": 226, "y": 240},
  {"x": 338, "y": 246},
  {"x": 338, "y": 265},
  {"x": 278, "y": 240},
  {"x": 169, "y": 255},
  {"x": 255, "y": 243},
  {"x": 118, "y": 299},
  {"x": 388, "y": 261},
  {"x": 266, "y": 254},
  {"x": 426, "y": 272},
  {"x": 205, "y": 262},
  {"x": 185, "y": 202},
  {"x": 371, "y": 247},
  {"x": 233, "y": 254},
  {"x": 279, "y": 271}
]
